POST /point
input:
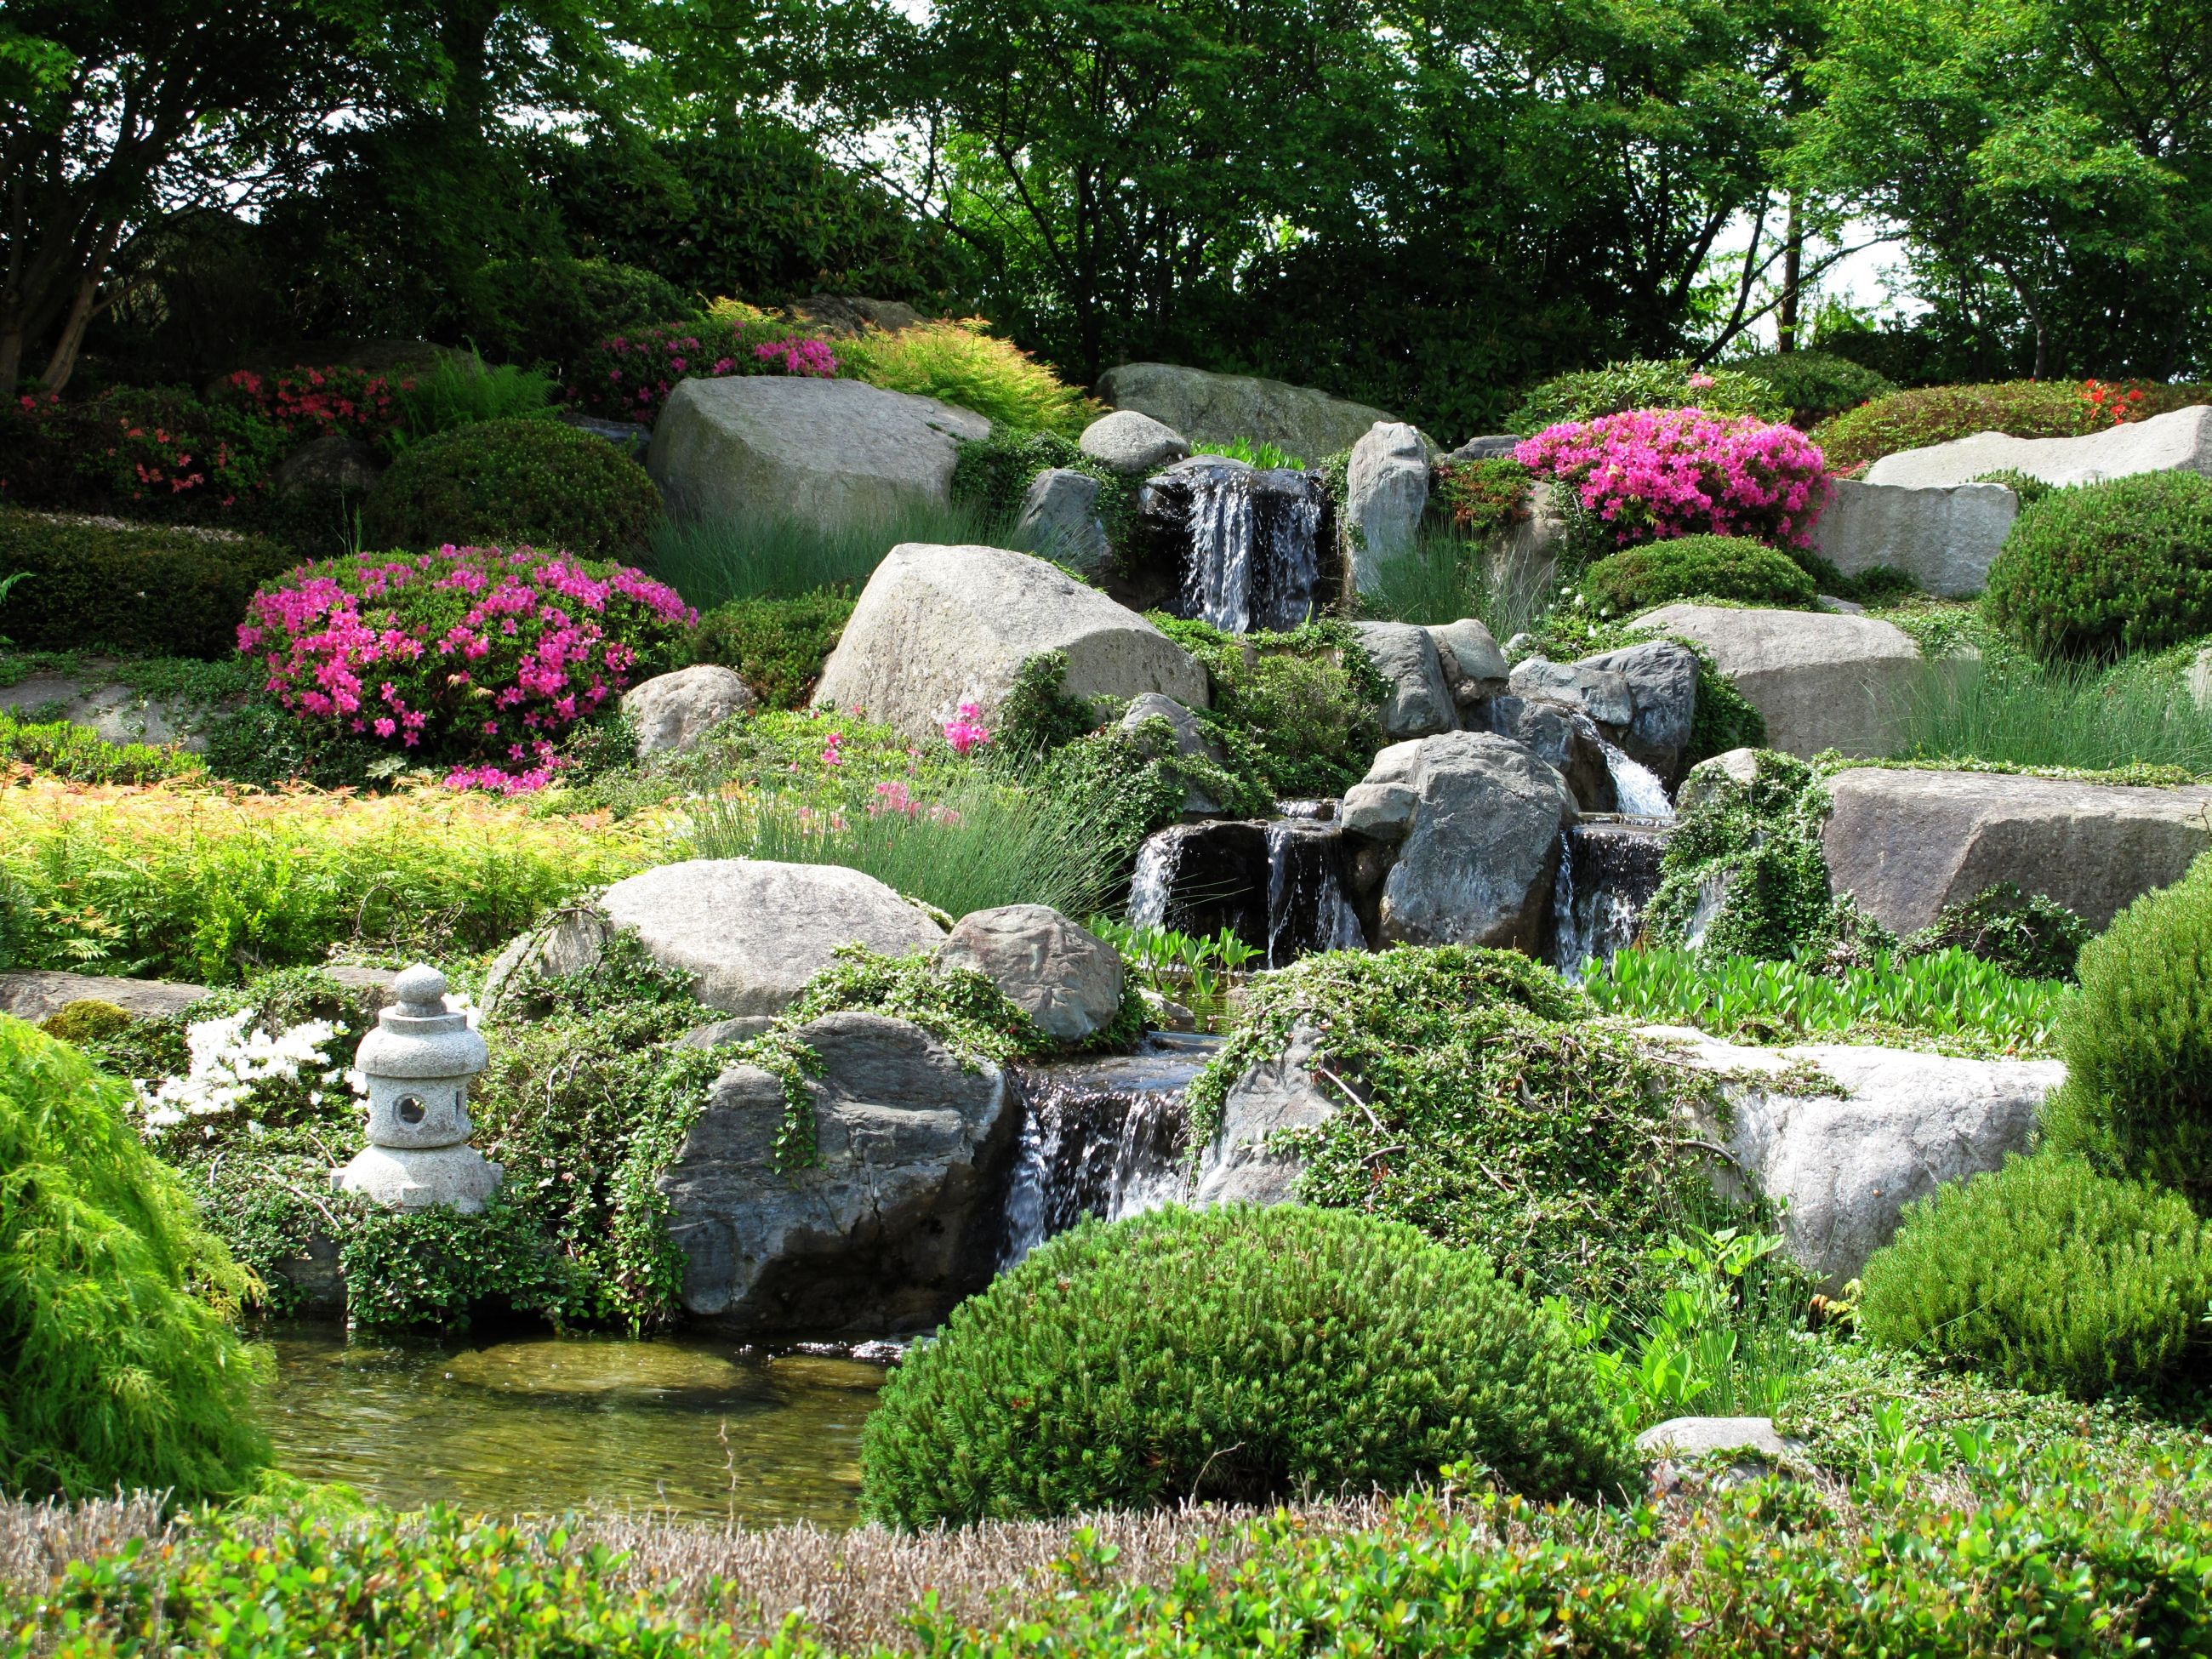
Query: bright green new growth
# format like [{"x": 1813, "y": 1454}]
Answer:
[
  {"x": 536, "y": 483},
  {"x": 2137, "y": 1043},
  {"x": 2109, "y": 568},
  {"x": 118, "y": 1363},
  {"x": 1696, "y": 567},
  {"x": 1260, "y": 454},
  {"x": 1240, "y": 1354},
  {"x": 1589, "y": 393},
  {"x": 2049, "y": 1275}
]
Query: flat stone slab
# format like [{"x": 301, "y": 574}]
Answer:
[
  {"x": 35, "y": 996},
  {"x": 2177, "y": 441},
  {"x": 1944, "y": 537},
  {"x": 1906, "y": 843}
]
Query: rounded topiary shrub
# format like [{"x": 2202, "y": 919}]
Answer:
[
  {"x": 2108, "y": 569},
  {"x": 2049, "y": 1275},
  {"x": 1696, "y": 567},
  {"x": 523, "y": 483},
  {"x": 1235, "y": 1353},
  {"x": 2137, "y": 1043}
]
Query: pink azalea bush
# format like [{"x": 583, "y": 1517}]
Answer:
[
  {"x": 1653, "y": 474},
  {"x": 471, "y": 655},
  {"x": 629, "y": 376}
]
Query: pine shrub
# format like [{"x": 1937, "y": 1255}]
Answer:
[
  {"x": 1696, "y": 567},
  {"x": 1240, "y": 1354},
  {"x": 2137, "y": 1044},
  {"x": 1592, "y": 393},
  {"x": 1815, "y": 384},
  {"x": 149, "y": 591},
  {"x": 117, "y": 1362},
  {"x": 2108, "y": 570},
  {"x": 534, "y": 483},
  {"x": 2049, "y": 1275},
  {"x": 777, "y": 645}
]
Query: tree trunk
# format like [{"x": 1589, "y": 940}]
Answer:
[
  {"x": 63, "y": 364},
  {"x": 1793, "y": 266}
]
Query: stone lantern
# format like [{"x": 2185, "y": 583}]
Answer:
[{"x": 416, "y": 1065}]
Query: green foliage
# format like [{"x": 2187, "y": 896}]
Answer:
[
  {"x": 964, "y": 364},
  {"x": 2049, "y": 1275},
  {"x": 84, "y": 1022},
  {"x": 81, "y": 755},
  {"x": 1303, "y": 1350},
  {"x": 777, "y": 645},
  {"x": 1947, "y": 996},
  {"x": 551, "y": 310},
  {"x": 1440, "y": 578},
  {"x": 539, "y": 483},
  {"x": 2028, "y": 935},
  {"x": 1127, "y": 784},
  {"x": 2108, "y": 569},
  {"x": 457, "y": 391},
  {"x": 1265, "y": 455},
  {"x": 771, "y": 555},
  {"x": 1936, "y": 415},
  {"x": 2029, "y": 487},
  {"x": 1200, "y": 973},
  {"x": 1037, "y": 714},
  {"x": 2137, "y": 1044},
  {"x": 1696, "y": 567},
  {"x": 2004, "y": 711},
  {"x": 1586, "y": 394},
  {"x": 993, "y": 474},
  {"x": 1497, "y": 1116},
  {"x": 1814, "y": 384},
  {"x": 141, "y": 590},
  {"x": 1484, "y": 498},
  {"x": 1723, "y": 717},
  {"x": 119, "y": 1363},
  {"x": 1309, "y": 702}
]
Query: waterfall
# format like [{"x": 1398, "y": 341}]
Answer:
[
  {"x": 1307, "y": 911},
  {"x": 1637, "y": 791},
  {"x": 1153, "y": 882},
  {"x": 1251, "y": 540},
  {"x": 1608, "y": 871},
  {"x": 1100, "y": 1138}
]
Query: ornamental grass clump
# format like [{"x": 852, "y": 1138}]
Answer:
[
  {"x": 1300, "y": 1351},
  {"x": 475, "y": 656},
  {"x": 2048, "y": 1275},
  {"x": 1654, "y": 474},
  {"x": 118, "y": 1366}
]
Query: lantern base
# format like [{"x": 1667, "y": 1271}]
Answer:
[{"x": 421, "y": 1177}]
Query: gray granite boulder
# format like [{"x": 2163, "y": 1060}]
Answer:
[
  {"x": 1470, "y": 656},
  {"x": 1060, "y": 519},
  {"x": 670, "y": 712},
  {"x": 1662, "y": 679},
  {"x": 1239, "y": 1166},
  {"x": 1420, "y": 702},
  {"x": 1601, "y": 693},
  {"x": 835, "y": 451},
  {"x": 37, "y": 994},
  {"x": 1216, "y": 407},
  {"x": 1386, "y": 490},
  {"x": 1820, "y": 681},
  {"x": 1907, "y": 843},
  {"x": 2179, "y": 441},
  {"x": 1062, "y": 975},
  {"x": 331, "y": 465},
  {"x": 1945, "y": 538},
  {"x": 940, "y": 626},
  {"x": 1844, "y": 1167},
  {"x": 1131, "y": 442},
  {"x": 1564, "y": 738},
  {"x": 119, "y": 713},
  {"x": 896, "y": 1222}
]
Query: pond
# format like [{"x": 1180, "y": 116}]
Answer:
[{"x": 542, "y": 1425}]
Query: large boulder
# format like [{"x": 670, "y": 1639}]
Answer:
[
  {"x": 1562, "y": 737},
  {"x": 1907, "y": 843},
  {"x": 1245, "y": 1162},
  {"x": 670, "y": 712},
  {"x": 1216, "y": 407},
  {"x": 750, "y": 931},
  {"x": 837, "y": 452},
  {"x": 1386, "y": 490},
  {"x": 35, "y": 994},
  {"x": 940, "y": 626},
  {"x": 1480, "y": 845},
  {"x": 1662, "y": 680},
  {"x": 896, "y": 1221},
  {"x": 1820, "y": 681},
  {"x": 1420, "y": 702},
  {"x": 2179, "y": 441},
  {"x": 1843, "y": 1167},
  {"x": 333, "y": 466},
  {"x": 1945, "y": 538},
  {"x": 1059, "y": 518},
  {"x": 1132, "y": 443},
  {"x": 1063, "y": 976}
]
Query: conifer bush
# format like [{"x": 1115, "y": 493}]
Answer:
[
  {"x": 2108, "y": 570},
  {"x": 1237, "y": 1353},
  {"x": 119, "y": 1365},
  {"x": 1696, "y": 567},
  {"x": 2049, "y": 1275}
]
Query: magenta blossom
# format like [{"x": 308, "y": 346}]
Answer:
[
  {"x": 964, "y": 732},
  {"x": 1653, "y": 474}
]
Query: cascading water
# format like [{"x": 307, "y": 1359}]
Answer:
[
  {"x": 1608, "y": 871},
  {"x": 1152, "y": 883},
  {"x": 1248, "y": 540},
  {"x": 1637, "y": 791},
  {"x": 1307, "y": 911},
  {"x": 1276, "y": 884},
  {"x": 1102, "y": 1138}
]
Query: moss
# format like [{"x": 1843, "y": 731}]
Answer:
[{"x": 85, "y": 1021}]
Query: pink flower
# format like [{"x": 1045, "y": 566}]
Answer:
[
  {"x": 1652, "y": 475},
  {"x": 963, "y": 732}
]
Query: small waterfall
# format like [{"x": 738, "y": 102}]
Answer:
[
  {"x": 1248, "y": 542},
  {"x": 1637, "y": 791},
  {"x": 1100, "y": 1138},
  {"x": 1712, "y": 893},
  {"x": 1608, "y": 871},
  {"x": 1307, "y": 911},
  {"x": 1154, "y": 882}
]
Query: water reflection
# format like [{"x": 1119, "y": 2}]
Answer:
[{"x": 543, "y": 1425}]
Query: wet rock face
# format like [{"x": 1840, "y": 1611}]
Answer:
[
  {"x": 1279, "y": 885},
  {"x": 1238, "y": 547}
]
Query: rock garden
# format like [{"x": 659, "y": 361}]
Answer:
[{"x": 765, "y": 975}]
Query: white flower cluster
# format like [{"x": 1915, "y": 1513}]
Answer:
[{"x": 229, "y": 1064}]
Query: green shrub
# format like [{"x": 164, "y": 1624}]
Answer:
[
  {"x": 2137, "y": 1044},
  {"x": 994, "y": 473},
  {"x": 1815, "y": 384},
  {"x": 2029, "y": 487},
  {"x": 118, "y": 1363},
  {"x": 550, "y": 311},
  {"x": 1308, "y": 703},
  {"x": 85, "y": 1021},
  {"x": 963, "y": 363},
  {"x": 1938, "y": 414},
  {"x": 1589, "y": 393},
  {"x": 144, "y": 591},
  {"x": 2049, "y": 1275},
  {"x": 1301, "y": 1351},
  {"x": 2108, "y": 569},
  {"x": 81, "y": 755},
  {"x": 543, "y": 483},
  {"x": 778, "y": 645},
  {"x": 459, "y": 391},
  {"x": 1696, "y": 567},
  {"x": 2027, "y": 934},
  {"x": 1484, "y": 498}
]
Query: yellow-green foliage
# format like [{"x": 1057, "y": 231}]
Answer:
[
  {"x": 198, "y": 885},
  {"x": 87, "y": 1020},
  {"x": 962, "y": 364},
  {"x": 2137, "y": 1044},
  {"x": 2050, "y": 1275},
  {"x": 1240, "y": 1353},
  {"x": 82, "y": 756},
  {"x": 117, "y": 1362}
]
